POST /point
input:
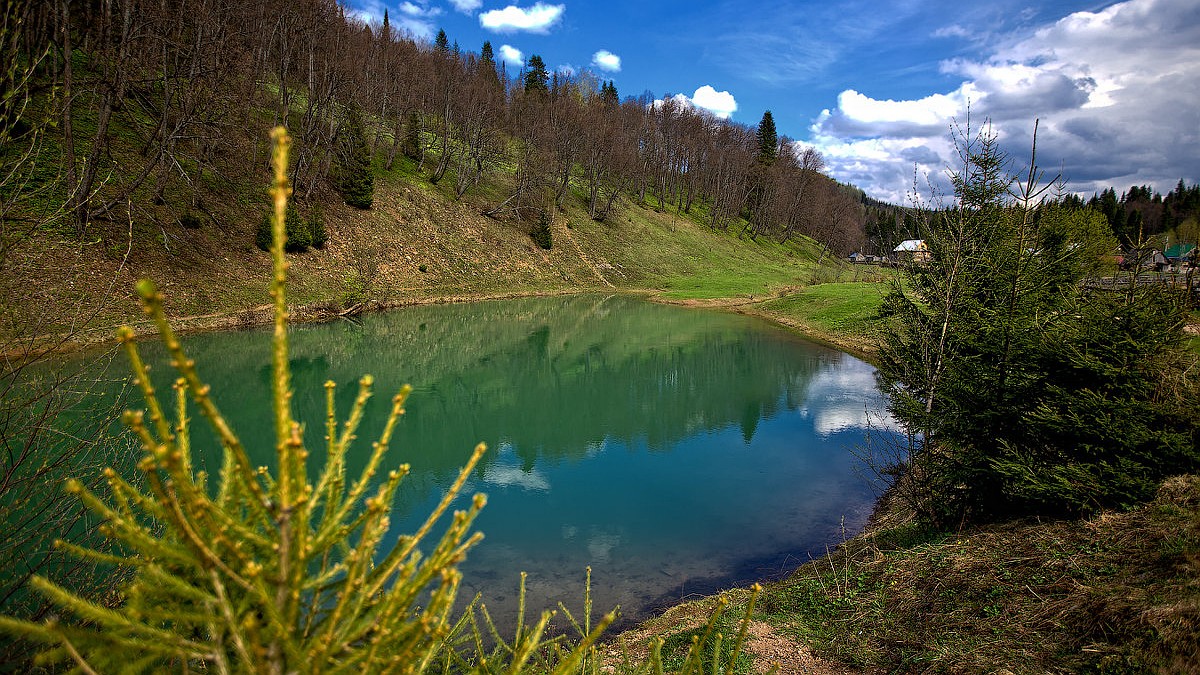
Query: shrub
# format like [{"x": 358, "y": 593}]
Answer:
[
  {"x": 352, "y": 173},
  {"x": 355, "y": 290},
  {"x": 316, "y": 228},
  {"x": 262, "y": 233},
  {"x": 299, "y": 236}
]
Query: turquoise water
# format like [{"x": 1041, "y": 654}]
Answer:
[{"x": 675, "y": 451}]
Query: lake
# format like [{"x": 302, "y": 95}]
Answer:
[{"x": 675, "y": 451}]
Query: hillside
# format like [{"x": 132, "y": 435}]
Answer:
[{"x": 416, "y": 244}]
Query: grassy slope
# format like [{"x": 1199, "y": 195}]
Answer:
[
  {"x": 843, "y": 313},
  {"x": 426, "y": 245}
]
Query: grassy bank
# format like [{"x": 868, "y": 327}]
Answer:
[{"x": 1117, "y": 593}]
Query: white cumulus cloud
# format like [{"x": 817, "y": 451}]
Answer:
[
  {"x": 606, "y": 60},
  {"x": 844, "y": 396},
  {"x": 536, "y": 19},
  {"x": 1115, "y": 90},
  {"x": 720, "y": 104},
  {"x": 466, "y": 6},
  {"x": 511, "y": 55}
]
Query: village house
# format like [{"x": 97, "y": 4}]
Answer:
[{"x": 911, "y": 250}]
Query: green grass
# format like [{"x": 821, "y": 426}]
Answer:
[
  {"x": 687, "y": 260},
  {"x": 838, "y": 308},
  {"x": 676, "y": 646},
  {"x": 843, "y": 313}
]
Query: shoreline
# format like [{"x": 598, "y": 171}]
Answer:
[{"x": 327, "y": 311}]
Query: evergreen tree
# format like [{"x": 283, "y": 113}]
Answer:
[
  {"x": 316, "y": 227},
  {"x": 353, "y": 175},
  {"x": 768, "y": 139},
  {"x": 1114, "y": 213},
  {"x": 536, "y": 76},
  {"x": 541, "y": 233},
  {"x": 412, "y": 135},
  {"x": 1033, "y": 394},
  {"x": 299, "y": 234},
  {"x": 487, "y": 58},
  {"x": 608, "y": 93},
  {"x": 441, "y": 42}
]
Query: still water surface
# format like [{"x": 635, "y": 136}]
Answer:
[{"x": 675, "y": 451}]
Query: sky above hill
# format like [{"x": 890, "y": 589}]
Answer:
[{"x": 877, "y": 86}]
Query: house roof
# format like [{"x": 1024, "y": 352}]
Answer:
[
  {"x": 910, "y": 246},
  {"x": 1178, "y": 250}
]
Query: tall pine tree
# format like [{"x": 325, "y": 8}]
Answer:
[
  {"x": 768, "y": 139},
  {"x": 536, "y": 77},
  {"x": 608, "y": 93},
  {"x": 487, "y": 57}
]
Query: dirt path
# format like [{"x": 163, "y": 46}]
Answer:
[
  {"x": 772, "y": 650},
  {"x": 767, "y": 647}
]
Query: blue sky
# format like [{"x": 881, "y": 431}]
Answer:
[{"x": 875, "y": 86}]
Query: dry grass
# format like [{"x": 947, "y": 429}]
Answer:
[{"x": 1117, "y": 593}]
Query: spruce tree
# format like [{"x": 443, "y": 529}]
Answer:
[
  {"x": 353, "y": 175},
  {"x": 608, "y": 93},
  {"x": 412, "y": 135},
  {"x": 299, "y": 234},
  {"x": 541, "y": 232},
  {"x": 1033, "y": 394},
  {"x": 487, "y": 57},
  {"x": 536, "y": 77},
  {"x": 768, "y": 139},
  {"x": 441, "y": 42}
]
